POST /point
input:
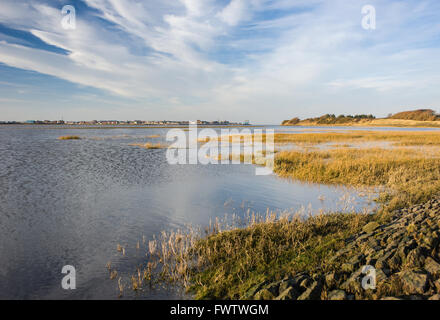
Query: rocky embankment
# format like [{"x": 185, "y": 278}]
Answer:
[{"x": 405, "y": 254}]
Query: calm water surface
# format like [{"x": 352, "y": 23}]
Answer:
[{"x": 71, "y": 203}]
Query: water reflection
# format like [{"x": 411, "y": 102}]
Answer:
[{"x": 72, "y": 202}]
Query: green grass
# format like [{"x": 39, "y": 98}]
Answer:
[{"x": 235, "y": 261}]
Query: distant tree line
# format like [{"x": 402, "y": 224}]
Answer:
[
  {"x": 420, "y": 115},
  {"x": 331, "y": 119}
]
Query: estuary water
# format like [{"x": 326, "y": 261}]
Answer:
[{"x": 71, "y": 202}]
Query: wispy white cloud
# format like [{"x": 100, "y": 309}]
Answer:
[
  {"x": 169, "y": 55},
  {"x": 234, "y": 12}
]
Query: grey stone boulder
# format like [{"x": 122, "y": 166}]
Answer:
[
  {"x": 288, "y": 282},
  {"x": 288, "y": 294},
  {"x": 381, "y": 262},
  {"x": 306, "y": 283},
  {"x": 330, "y": 279},
  {"x": 273, "y": 288},
  {"x": 404, "y": 249},
  {"x": 312, "y": 293},
  {"x": 264, "y": 294},
  {"x": 370, "y": 227},
  {"x": 301, "y": 280},
  {"x": 437, "y": 285},
  {"x": 380, "y": 276},
  {"x": 253, "y": 290},
  {"x": 413, "y": 282},
  {"x": 337, "y": 295},
  {"x": 353, "y": 264},
  {"x": 432, "y": 266},
  {"x": 415, "y": 258},
  {"x": 353, "y": 283}
]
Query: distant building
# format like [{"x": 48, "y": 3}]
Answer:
[{"x": 128, "y": 122}]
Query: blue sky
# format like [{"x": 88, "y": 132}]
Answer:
[{"x": 262, "y": 60}]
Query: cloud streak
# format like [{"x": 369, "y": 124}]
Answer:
[{"x": 206, "y": 58}]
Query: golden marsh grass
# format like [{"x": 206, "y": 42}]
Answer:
[
  {"x": 402, "y": 138},
  {"x": 396, "y": 137},
  {"x": 69, "y": 138},
  {"x": 149, "y": 145},
  {"x": 226, "y": 260},
  {"x": 409, "y": 176}
]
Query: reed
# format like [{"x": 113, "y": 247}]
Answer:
[
  {"x": 113, "y": 274},
  {"x": 134, "y": 283},
  {"x": 120, "y": 287}
]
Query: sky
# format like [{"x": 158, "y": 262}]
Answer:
[{"x": 258, "y": 60}]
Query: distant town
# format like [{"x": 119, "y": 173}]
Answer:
[{"x": 129, "y": 122}]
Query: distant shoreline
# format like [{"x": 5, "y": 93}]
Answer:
[
  {"x": 120, "y": 126},
  {"x": 373, "y": 123},
  {"x": 415, "y": 118}
]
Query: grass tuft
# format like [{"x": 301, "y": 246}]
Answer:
[
  {"x": 149, "y": 145},
  {"x": 69, "y": 138}
]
